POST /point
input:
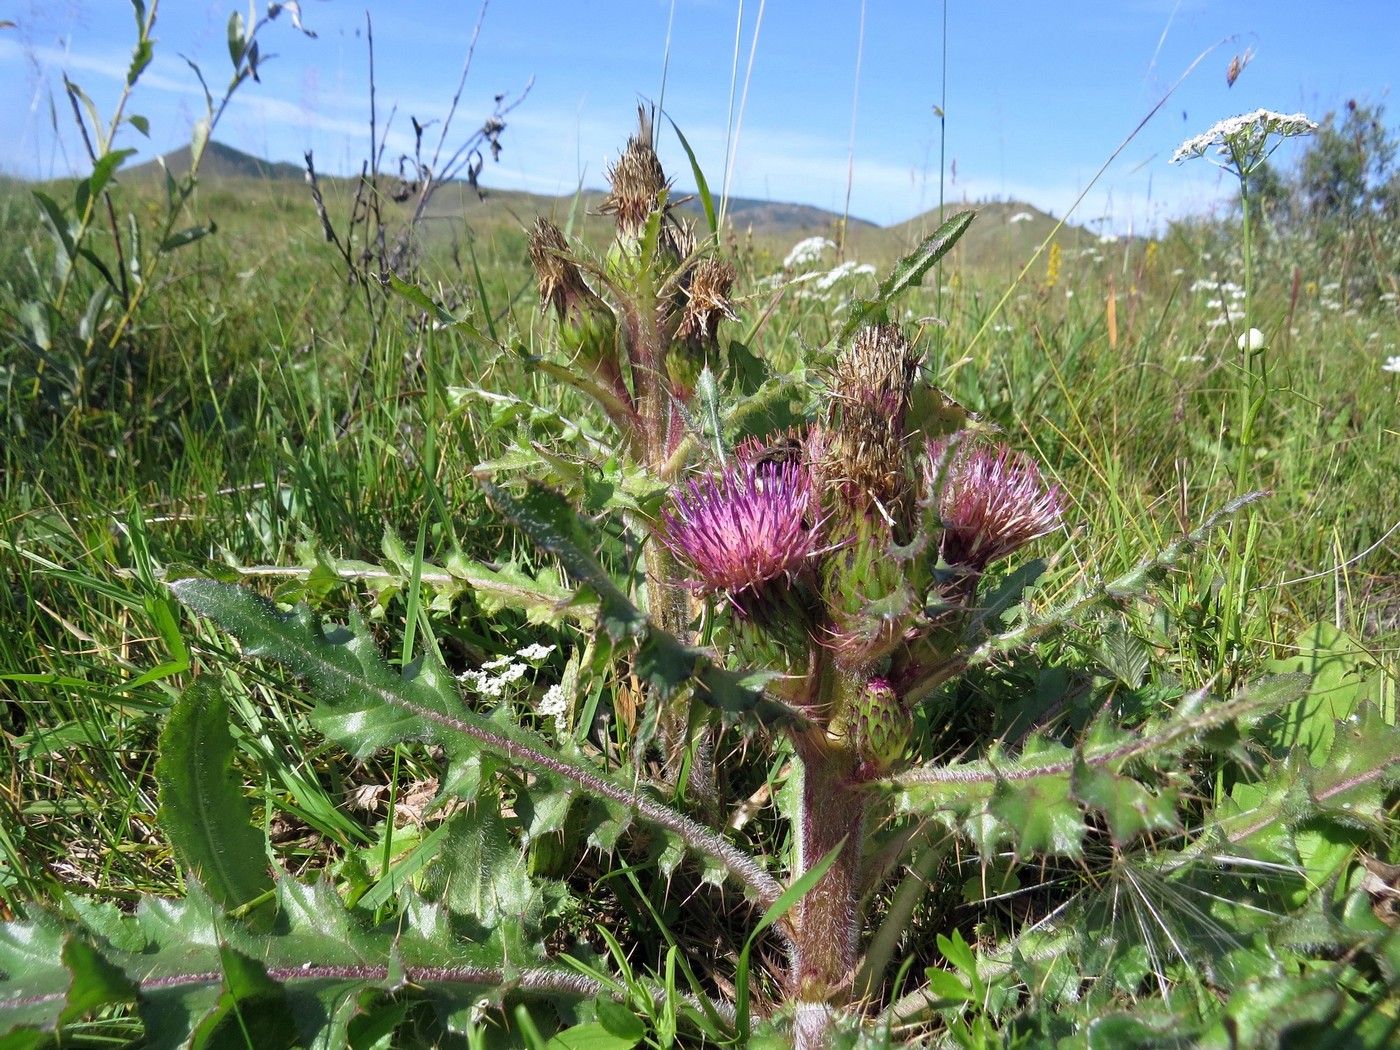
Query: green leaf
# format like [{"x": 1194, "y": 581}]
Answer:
[
  {"x": 57, "y": 225},
  {"x": 425, "y": 302},
  {"x": 482, "y": 878},
  {"x": 364, "y": 704},
  {"x": 141, "y": 56},
  {"x": 907, "y": 273},
  {"x": 1042, "y": 813},
  {"x": 702, "y": 187},
  {"x": 202, "y": 807},
  {"x": 252, "y": 1010},
  {"x": 88, "y": 190},
  {"x": 237, "y": 40},
  {"x": 1343, "y": 676},
  {"x": 36, "y": 985},
  {"x": 189, "y": 235}
]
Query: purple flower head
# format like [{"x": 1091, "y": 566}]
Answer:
[
  {"x": 992, "y": 499},
  {"x": 751, "y": 523}
]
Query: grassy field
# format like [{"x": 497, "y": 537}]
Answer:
[{"x": 267, "y": 417}]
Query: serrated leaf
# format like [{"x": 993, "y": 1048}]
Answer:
[
  {"x": 1044, "y": 816},
  {"x": 252, "y": 1010},
  {"x": 36, "y": 984},
  {"x": 907, "y": 273},
  {"x": 540, "y": 597},
  {"x": 202, "y": 807},
  {"x": 481, "y": 875},
  {"x": 365, "y": 705},
  {"x": 1129, "y": 807}
]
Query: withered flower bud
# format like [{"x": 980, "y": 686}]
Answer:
[
  {"x": 561, "y": 283},
  {"x": 871, "y": 388},
  {"x": 707, "y": 300},
  {"x": 637, "y": 180}
]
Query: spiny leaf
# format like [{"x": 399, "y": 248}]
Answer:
[
  {"x": 365, "y": 705},
  {"x": 907, "y": 273},
  {"x": 206, "y": 980},
  {"x": 202, "y": 808},
  {"x": 1037, "y": 800}
]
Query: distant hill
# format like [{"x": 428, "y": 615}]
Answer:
[
  {"x": 1005, "y": 235},
  {"x": 220, "y": 162}
]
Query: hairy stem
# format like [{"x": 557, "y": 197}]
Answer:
[{"x": 831, "y": 817}]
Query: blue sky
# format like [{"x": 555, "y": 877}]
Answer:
[{"x": 1038, "y": 95}]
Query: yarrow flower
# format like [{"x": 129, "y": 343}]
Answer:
[
  {"x": 807, "y": 251},
  {"x": 993, "y": 501},
  {"x": 747, "y": 525},
  {"x": 1392, "y": 364},
  {"x": 1245, "y": 140},
  {"x": 554, "y": 704}
]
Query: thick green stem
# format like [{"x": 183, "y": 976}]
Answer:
[{"x": 831, "y": 816}]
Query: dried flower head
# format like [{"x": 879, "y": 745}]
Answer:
[
  {"x": 707, "y": 300},
  {"x": 992, "y": 501},
  {"x": 871, "y": 388},
  {"x": 1245, "y": 140},
  {"x": 637, "y": 181},
  {"x": 561, "y": 282},
  {"x": 749, "y": 524}
]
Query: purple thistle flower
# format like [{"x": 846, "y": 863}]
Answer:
[
  {"x": 993, "y": 501},
  {"x": 749, "y": 524}
]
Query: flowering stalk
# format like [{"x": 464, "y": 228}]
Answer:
[
  {"x": 1245, "y": 143},
  {"x": 640, "y": 327},
  {"x": 834, "y": 554}
]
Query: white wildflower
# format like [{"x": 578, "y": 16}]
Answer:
[
  {"x": 846, "y": 269},
  {"x": 1244, "y": 141},
  {"x": 1021, "y": 216},
  {"x": 1392, "y": 364},
  {"x": 807, "y": 251},
  {"x": 534, "y": 651},
  {"x": 496, "y": 664},
  {"x": 554, "y": 704}
]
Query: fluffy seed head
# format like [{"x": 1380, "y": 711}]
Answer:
[
  {"x": 561, "y": 283},
  {"x": 992, "y": 499},
  {"x": 707, "y": 300}
]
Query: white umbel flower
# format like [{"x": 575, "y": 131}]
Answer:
[{"x": 1245, "y": 140}]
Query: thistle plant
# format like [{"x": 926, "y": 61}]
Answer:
[
  {"x": 836, "y": 555},
  {"x": 839, "y": 607}
]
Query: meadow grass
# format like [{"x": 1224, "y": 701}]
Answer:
[{"x": 257, "y": 420}]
